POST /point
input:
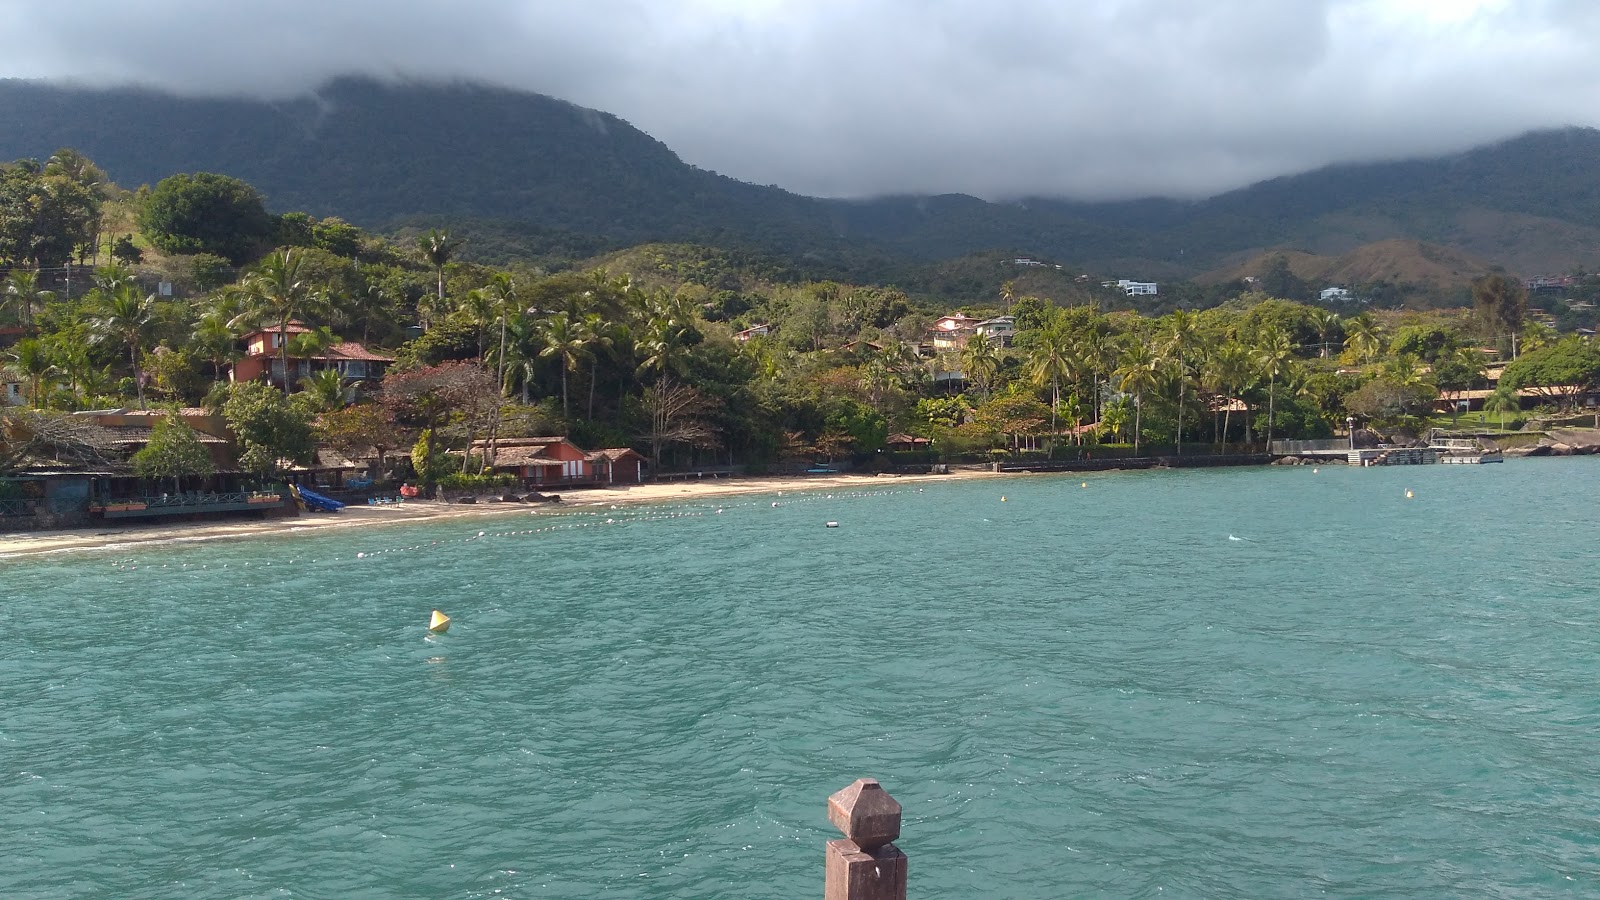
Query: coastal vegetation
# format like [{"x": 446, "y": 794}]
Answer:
[{"x": 693, "y": 355}]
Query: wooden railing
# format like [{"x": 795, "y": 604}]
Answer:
[{"x": 17, "y": 508}]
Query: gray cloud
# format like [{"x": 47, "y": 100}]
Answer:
[{"x": 998, "y": 98}]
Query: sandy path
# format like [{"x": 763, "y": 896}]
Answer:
[{"x": 118, "y": 534}]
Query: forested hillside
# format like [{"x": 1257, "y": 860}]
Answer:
[
  {"x": 538, "y": 173},
  {"x": 691, "y": 354}
]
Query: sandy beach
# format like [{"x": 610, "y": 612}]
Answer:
[{"x": 113, "y": 535}]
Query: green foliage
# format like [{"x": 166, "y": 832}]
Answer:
[
  {"x": 125, "y": 251},
  {"x": 210, "y": 271},
  {"x": 1388, "y": 402},
  {"x": 268, "y": 427},
  {"x": 206, "y": 213},
  {"x": 174, "y": 451},
  {"x": 457, "y": 481},
  {"x": 426, "y": 459},
  {"x": 1571, "y": 362},
  {"x": 44, "y": 217}
]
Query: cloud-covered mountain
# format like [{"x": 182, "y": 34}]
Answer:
[{"x": 378, "y": 153}]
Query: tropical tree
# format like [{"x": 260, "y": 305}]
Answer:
[
  {"x": 1228, "y": 371},
  {"x": 128, "y": 319},
  {"x": 1137, "y": 376},
  {"x": 1363, "y": 337},
  {"x": 31, "y": 359},
  {"x": 325, "y": 389},
  {"x": 1182, "y": 341},
  {"x": 565, "y": 339},
  {"x": 1272, "y": 361},
  {"x": 277, "y": 292},
  {"x": 174, "y": 451},
  {"x": 1051, "y": 360},
  {"x": 1502, "y": 399},
  {"x": 437, "y": 248},
  {"x": 22, "y": 292},
  {"x": 980, "y": 362},
  {"x": 1327, "y": 323}
]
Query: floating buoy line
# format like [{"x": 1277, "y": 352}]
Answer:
[{"x": 597, "y": 516}]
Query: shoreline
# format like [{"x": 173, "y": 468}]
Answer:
[{"x": 21, "y": 544}]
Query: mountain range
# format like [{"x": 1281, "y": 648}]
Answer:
[{"x": 382, "y": 155}]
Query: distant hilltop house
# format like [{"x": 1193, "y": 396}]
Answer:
[
  {"x": 1330, "y": 294},
  {"x": 1134, "y": 288},
  {"x": 754, "y": 331},
  {"x": 262, "y": 349},
  {"x": 1549, "y": 284},
  {"x": 1026, "y": 261}
]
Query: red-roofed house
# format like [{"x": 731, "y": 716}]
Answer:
[
  {"x": 262, "y": 350},
  {"x": 620, "y": 465},
  {"x": 540, "y": 461}
]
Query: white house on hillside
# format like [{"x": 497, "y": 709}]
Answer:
[
  {"x": 1137, "y": 288},
  {"x": 1333, "y": 293}
]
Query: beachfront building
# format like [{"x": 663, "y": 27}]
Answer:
[
  {"x": 538, "y": 461},
  {"x": 618, "y": 465},
  {"x": 263, "y": 358}
]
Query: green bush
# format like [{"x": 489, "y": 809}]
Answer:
[{"x": 456, "y": 481}]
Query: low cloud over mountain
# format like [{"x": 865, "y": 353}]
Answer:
[{"x": 997, "y": 98}]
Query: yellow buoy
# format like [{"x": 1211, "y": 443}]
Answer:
[
  {"x": 1002, "y": 499},
  {"x": 1408, "y": 493},
  {"x": 1085, "y": 484},
  {"x": 439, "y": 623}
]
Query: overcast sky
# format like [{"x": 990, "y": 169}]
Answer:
[{"x": 999, "y": 98}]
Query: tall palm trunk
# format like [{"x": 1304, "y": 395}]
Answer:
[
  {"x": 1138, "y": 415},
  {"x": 133, "y": 363},
  {"x": 283, "y": 353},
  {"x": 1272, "y": 391},
  {"x": 594, "y": 376}
]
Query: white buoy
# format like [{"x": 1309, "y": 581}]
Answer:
[{"x": 833, "y": 524}]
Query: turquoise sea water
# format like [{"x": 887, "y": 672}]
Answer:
[{"x": 1076, "y": 691}]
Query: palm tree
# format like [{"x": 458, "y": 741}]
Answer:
[
  {"x": 127, "y": 319},
  {"x": 30, "y": 359},
  {"x": 326, "y": 389},
  {"x": 1228, "y": 371},
  {"x": 1502, "y": 400},
  {"x": 668, "y": 326},
  {"x": 1137, "y": 376},
  {"x": 1099, "y": 355},
  {"x": 1182, "y": 338},
  {"x": 1050, "y": 361},
  {"x": 1326, "y": 322},
  {"x": 1363, "y": 336},
  {"x": 22, "y": 291},
  {"x": 980, "y": 361},
  {"x": 1273, "y": 357},
  {"x": 278, "y": 293},
  {"x": 501, "y": 292},
  {"x": 565, "y": 339},
  {"x": 1008, "y": 294},
  {"x": 1114, "y": 418},
  {"x": 437, "y": 248}
]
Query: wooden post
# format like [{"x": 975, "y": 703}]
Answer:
[{"x": 865, "y": 865}]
